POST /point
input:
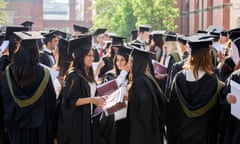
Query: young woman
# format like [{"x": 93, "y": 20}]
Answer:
[
  {"x": 193, "y": 109},
  {"x": 76, "y": 124},
  {"x": 29, "y": 97},
  {"x": 146, "y": 104}
]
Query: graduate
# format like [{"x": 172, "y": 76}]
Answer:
[
  {"x": 29, "y": 98},
  {"x": 143, "y": 35},
  {"x": 146, "y": 103},
  {"x": 192, "y": 112},
  {"x": 231, "y": 135},
  {"x": 76, "y": 123},
  {"x": 46, "y": 55},
  {"x": 99, "y": 43}
]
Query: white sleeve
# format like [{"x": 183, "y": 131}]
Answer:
[{"x": 121, "y": 78}]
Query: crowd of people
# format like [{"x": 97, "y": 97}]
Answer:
[{"x": 50, "y": 80}]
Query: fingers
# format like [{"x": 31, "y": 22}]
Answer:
[{"x": 231, "y": 99}]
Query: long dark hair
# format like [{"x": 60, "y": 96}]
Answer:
[
  {"x": 139, "y": 66},
  {"x": 25, "y": 61},
  {"x": 78, "y": 63}
]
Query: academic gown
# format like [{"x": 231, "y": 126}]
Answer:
[
  {"x": 193, "y": 111},
  {"x": 75, "y": 125},
  {"x": 32, "y": 124},
  {"x": 108, "y": 66},
  {"x": 227, "y": 69},
  {"x": 231, "y": 133},
  {"x": 146, "y": 113},
  {"x": 45, "y": 59}
]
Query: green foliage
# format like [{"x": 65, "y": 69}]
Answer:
[
  {"x": 122, "y": 16},
  {"x": 3, "y": 13}
]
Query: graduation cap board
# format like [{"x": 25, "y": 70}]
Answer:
[
  {"x": 27, "y": 23},
  {"x": 170, "y": 36},
  {"x": 199, "y": 44},
  {"x": 124, "y": 51},
  {"x": 182, "y": 39},
  {"x": 99, "y": 31},
  {"x": 81, "y": 29},
  {"x": 143, "y": 28},
  {"x": 80, "y": 43},
  {"x": 117, "y": 39},
  {"x": 10, "y": 31},
  {"x": 28, "y": 39}
]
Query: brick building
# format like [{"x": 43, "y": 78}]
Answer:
[
  {"x": 50, "y": 14},
  {"x": 199, "y": 14}
]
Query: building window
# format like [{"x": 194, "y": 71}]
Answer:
[
  {"x": 79, "y": 10},
  {"x": 55, "y": 9}
]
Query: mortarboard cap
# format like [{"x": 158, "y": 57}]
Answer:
[
  {"x": 99, "y": 31},
  {"x": 10, "y": 32},
  {"x": 124, "y": 51},
  {"x": 143, "y": 28},
  {"x": 117, "y": 39},
  {"x": 27, "y": 23},
  {"x": 29, "y": 38},
  {"x": 224, "y": 33},
  {"x": 108, "y": 43},
  {"x": 134, "y": 32},
  {"x": 137, "y": 45},
  {"x": 49, "y": 36},
  {"x": 234, "y": 35},
  {"x": 170, "y": 36},
  {"x": 182, "y": 39},
  {"x": 201, "y": 32},
  {"x": 199, "y": 44},
  {"x": 85, "y": 42},
  {"x": 80, "y": 29},
  {"x": 140, "y": 54},
  {"x": 215, "y": 34},
  {"x": 61, "y": 34}
]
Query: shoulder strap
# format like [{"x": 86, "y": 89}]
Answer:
[{"x": 37, "y": 94}]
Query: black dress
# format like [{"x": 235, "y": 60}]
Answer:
[
  {"x": 146, "y": 112},
  {"x": 231, "y": 133},
  {"x": 193, "y": 110},
  {"x": 75, "y": 125},
  {"x": 29, "y": 121}
]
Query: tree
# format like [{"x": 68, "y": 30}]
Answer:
[
  {"x": 3, "y": 13},
  {"x": 122, "y": 16}
]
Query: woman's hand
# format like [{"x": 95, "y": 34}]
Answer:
[
  {"x": 231, "y": 99},
  {"x": 99, "y": 101}
]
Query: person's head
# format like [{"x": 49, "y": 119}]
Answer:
[
  {"x": 138, "y": 62},
  {"x": 83, "y": 56},
  {"x": 223, "y": 37},
  {"x": 121, "y": 58},
  {"x": 144, "y": 32},
  {"x": 200, "y": 57},
  {"x": 157, "y": 38},
  {"x": 26, "y": 58},
  {"x": 99, "y": 34},
  {"x": 171, "y": 42},
  {"x": 50, "y": 41}
]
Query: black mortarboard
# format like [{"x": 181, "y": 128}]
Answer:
[
  {"x": 140, "y": 53},
  {"x": 234, "y": 35},
  {"x": 99, "y": 31},
  {"x": 117, "y": 39},
  {"x": 143, "y": 28},
  {"x": 182, "y": 39},
  {"x": 170, "y": 36},
  {"x": 49, "y": 36},
  {"x": 202, "y": 32},
  {"x": 60, "y": 34},
  {"x": 124, "y": 51},
  {"x": 27, "y": 23},
  {"x": 85, "y": 42},
  {"x": 224, "y": 33},
  {"x": 199, "y": 44},
  {"x": 215, "y": 34},
  {"x": 28, "y": 38},
  {"x": 108, "y": 43},
  {"x": 10, "y": 29},
  {"x": 137, "y": 44},
  {"x": 81, "y": 29}
]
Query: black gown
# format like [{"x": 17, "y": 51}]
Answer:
[
  {"x": 146, "y": 112},
  {"x": 193, "y": 110},
  {"x": 231, "y": 133},
  {"x": 227, "y": 69},
  {"x": 45, "y": 59},
  {"x": 75, "y": 125},
  {"x": 34, "y": 122}
]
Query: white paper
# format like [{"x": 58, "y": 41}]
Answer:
[
  {"x": 4, "y": 46},
  {"x": 235, "y": 90},
  {"x": 235, "y": 53},
  {"x": 121, "y": 114}
]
